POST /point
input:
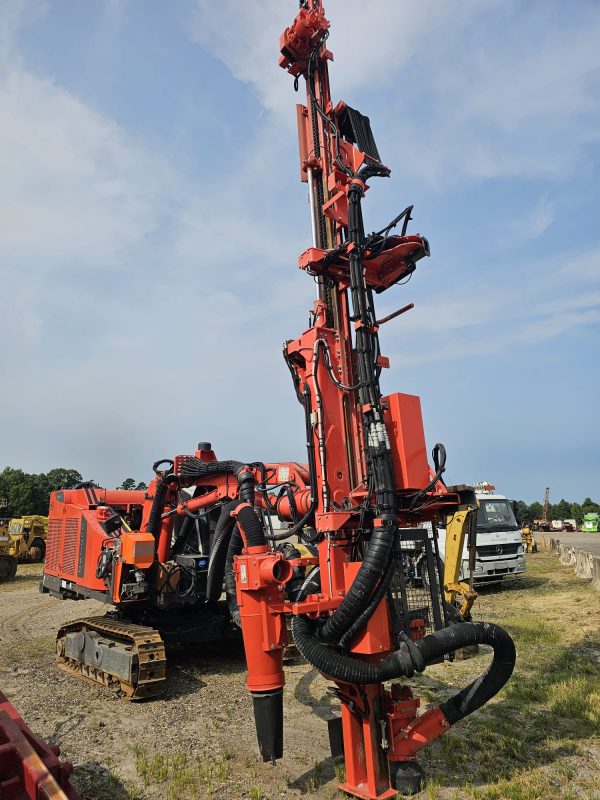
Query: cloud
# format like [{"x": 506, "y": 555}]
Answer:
[
  {"x": 529, "y": 225},
  {"x": 485, "y": 319},
  {"x": 456, "y": 107},
  {"x": 138, "y": 300}
]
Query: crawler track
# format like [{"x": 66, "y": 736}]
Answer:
[{"x": 139, "y": 647}]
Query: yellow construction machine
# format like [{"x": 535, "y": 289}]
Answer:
[
  {"x": 461, "y": 526},
  {"x": 24, "y": 539}
]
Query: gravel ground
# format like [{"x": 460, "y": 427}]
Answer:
[
  {"x": 204, "y": 720},
  {"x": 538, "y": 740}
]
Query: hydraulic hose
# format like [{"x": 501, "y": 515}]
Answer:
[
  {"x": 236, "y": 545},
  {"x": 413, "y": 657},
  {"x": 158, "y": 505},
  {"x": 373, "y": 569},
  {"x": 374, "y": 574},
  {"x": 251, "y": 526},
  {"x": 218, "y": 551},
  {"x": 219, "y": 564},
  {"x": 194, "y": 468},
  {"x": 255, "y": 537},
  {"x": 378, "y": 595}
]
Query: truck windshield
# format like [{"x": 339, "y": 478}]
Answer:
[
  {"x": 15, "y": 527},
  {"x": 495, "y": 515}
]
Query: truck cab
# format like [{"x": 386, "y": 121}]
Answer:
[{"x": 499, "y": 547}]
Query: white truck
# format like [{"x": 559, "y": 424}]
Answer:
[{"x": 499, "y": 543}]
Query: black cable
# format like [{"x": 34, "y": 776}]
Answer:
[{"x": 439, "y": 458}]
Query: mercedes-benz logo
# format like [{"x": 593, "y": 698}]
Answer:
[{"x": 499, "y": 549}]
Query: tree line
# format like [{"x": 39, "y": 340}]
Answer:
[
  {"x": 27, "y": 493},
  {"x": 24, "y": 493},
  {"x": 561, "y": 510}
]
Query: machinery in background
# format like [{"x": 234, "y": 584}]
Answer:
[
  {"x": 591, "y": 522},
  {"x": 8, "y": 564},
  {"x": 569, "y": 525},
  {"x": 22, "y": 539},
  {"x": 29, "y": 768},
  {"x": 461, "y": 539},
  {"x": 27, "y": 538},
  {"x": 543, "y": 524},
  {"x": 499, "y": 549}
]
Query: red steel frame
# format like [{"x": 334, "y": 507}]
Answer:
[{"x": 327, "y": 348}]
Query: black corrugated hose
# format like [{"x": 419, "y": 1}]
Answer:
[
  {"x": 158, "y": 506},
  {"x": 218, "y": 551},
  {"x": 220, "y": 564},
  {"x": 373, "y": 574},
  {"x": 413, "y": 657}
]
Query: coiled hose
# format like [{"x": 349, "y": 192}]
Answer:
[{"x": 413, "y": 657}]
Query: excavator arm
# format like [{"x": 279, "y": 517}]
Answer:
[{"x": 461, "y": 524}]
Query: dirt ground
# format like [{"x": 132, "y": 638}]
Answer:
[{"x": 539, "y": 739}]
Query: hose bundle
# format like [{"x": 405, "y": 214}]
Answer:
[
  {"x": 413, "y": 657},
  {"x": 194, "y": 468}
]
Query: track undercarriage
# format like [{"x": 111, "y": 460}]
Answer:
[{"x": 128, "y": 658}]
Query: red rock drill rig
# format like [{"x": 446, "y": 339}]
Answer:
[
  {"x": 370, "y": 484},
  {"x": 360, "y": 506}
]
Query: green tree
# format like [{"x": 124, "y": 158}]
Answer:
[
  {"x": 521, "y": 511},
  {"x": 129, "y": 484},
  {"x": 589, "y": 506},
  {"x": 61, "y": 478},
  {"x": 29, "y": 493},
  {"x": 563, "y": 510},
  {"x": 577, "y": 512},
  {"x": 535, "y": 511}
]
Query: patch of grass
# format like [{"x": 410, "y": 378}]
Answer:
[
  {"x": 26, "y": 651},
  {"x": 340, "y": 771},
  {"x": 256, "y": 793},
  {"x": 535, "y": 739},
  {"x": 180, "y": 775},
  {"x": 527, "y": 786},
  {"x": 577, "y": 699},
  {"x": 527, "y": 630}
]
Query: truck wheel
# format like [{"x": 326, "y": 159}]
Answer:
[{"x": 38, "y": 545}]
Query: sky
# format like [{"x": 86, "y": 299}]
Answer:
[{"x": 151, "y": 217}]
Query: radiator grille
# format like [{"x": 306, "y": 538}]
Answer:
[
  {"x": 53, "y": 543},
  {"x": 497, "y": 550},
  {"x": 70, "y": 546}
]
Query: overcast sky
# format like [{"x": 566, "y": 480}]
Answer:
[{"x": 151, "y": 217}]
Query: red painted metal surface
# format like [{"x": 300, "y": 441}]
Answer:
[{"x": 29, "y": 768}]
